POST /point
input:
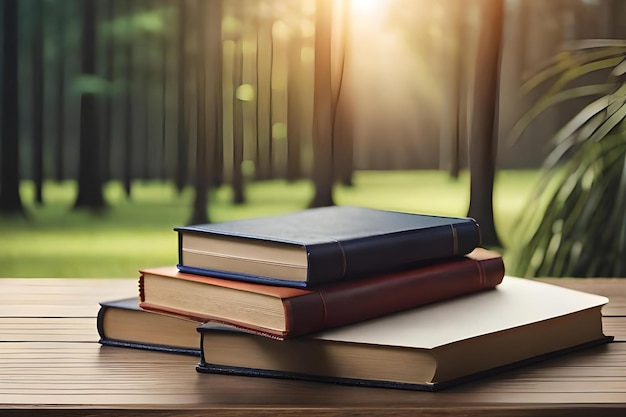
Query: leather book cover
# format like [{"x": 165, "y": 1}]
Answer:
[{"x": 344, "y": 242}]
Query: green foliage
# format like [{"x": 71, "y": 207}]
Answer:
[
  {"x": 575, "y": 223},
  {"x": 59, "y": 242},
  {"x": 90, "y": 84}
]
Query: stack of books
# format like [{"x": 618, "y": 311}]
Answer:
[{"x": 349, "y": 295}]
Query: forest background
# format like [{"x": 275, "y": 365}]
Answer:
[{"x": 122, "y": 119}]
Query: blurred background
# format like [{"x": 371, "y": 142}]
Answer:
[{"x": 122, "y": 119}]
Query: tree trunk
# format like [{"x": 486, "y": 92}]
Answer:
[
  {"x": 128, "y": 140},
  {"x": 10, "y": 201},
  {"x": 147, "y": 65},
  {"x": 264, "y": 99},
  {"x": 182, "y": 157},
  {"x": 90, "y": 193},
  {"x": 294, "y": 103},
  {"x": 217, "y": 96},
  {"x": 238, "y": 123},
  {"x": 484, "y": 131},
  {"x": 323, "y": 161},
  {"x": 452, "y": 73},
  {"x": 164, "y": 78},
  {"x": 199, "y": 212},
  {"x": 343, "y": 120},
  {"x": 109, "y": 64},
  {"x": 38, "y": 98},
  {"x": 59, "y": 163}
]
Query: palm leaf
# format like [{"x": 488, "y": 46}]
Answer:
[
  {"x": 575, "y": 224},
  {"x": 619, "y": 69},
  {"x": 581, "y": 44},
  {"x": 549, "y": 101},
  {"x": 610, "y": 123},
  {"x": 565, "y": 61}
]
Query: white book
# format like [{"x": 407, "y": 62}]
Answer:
[{"x": 425, "y": 348}]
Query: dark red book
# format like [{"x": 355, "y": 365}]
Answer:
[{"x": 284, "y": 312}]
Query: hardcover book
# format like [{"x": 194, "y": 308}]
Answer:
[
  {"x": 285, "y": 312},
  {"x": 425, "y": 348},
  {"x": 122, "y": 323},
  {"x": 321, "y": 245}
]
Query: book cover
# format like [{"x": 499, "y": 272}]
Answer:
[
  {"x": 285, "y": 312},
  {"x": 321, "y": 245},
  {"x": 425, "y": 348},
  {"x": 122, "y": 323}
]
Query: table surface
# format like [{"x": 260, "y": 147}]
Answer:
[{"x": 51, "y": 363}]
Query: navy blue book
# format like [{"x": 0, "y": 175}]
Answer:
[{"x": 322, "y": 245}]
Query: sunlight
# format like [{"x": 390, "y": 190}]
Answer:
[
  {"x": 366, "y": 8},
  {"x": 392, "y": 70}
]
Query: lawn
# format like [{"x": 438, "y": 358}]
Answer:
[{"x": 58, "y": 242}]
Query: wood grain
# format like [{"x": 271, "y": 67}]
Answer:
[{"x": 51, "y": 364}]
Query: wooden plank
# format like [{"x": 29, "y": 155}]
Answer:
[
  {"x": 106, "y": 375},
  {"x": 33, "y": 329},
  {"x": 48, "y": 297},
  {"x": 615, "y": 326},
  {"x": 83, "y": 329}
]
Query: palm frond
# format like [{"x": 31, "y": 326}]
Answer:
[
  {"x": 565, "y": 61},
  {"x": 576, "y": 234},
  {"x": 614, "y": 118},
  {"x": 619, "y": 69},
  {"x": 582, "y": 44},
  {"x": 549, "y": 101}
]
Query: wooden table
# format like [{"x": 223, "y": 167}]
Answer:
[{"x": 51, "y": 364}]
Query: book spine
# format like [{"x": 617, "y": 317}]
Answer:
[
  {"x": 356, "y": 258},
  {"x": 100, "y": 322},
  {"x": 142, "y": 294},
  {"x": 355, "y": 301}
]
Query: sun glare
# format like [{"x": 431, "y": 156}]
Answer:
[{"x": 366, "y": 7}]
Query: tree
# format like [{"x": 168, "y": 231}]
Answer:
[
  {"x": 216, "y": 99},
  {"x": 451, "y": 118},
  {"x": 59, "y": 165},
  {"x": 10, "y": 200},
  {"x": 109, "y": 65},
  {"x": 164, "y": 97},
  {"x": 37, "y": 55},
  {"x": 239, "y": 196},
  {"x": 343, "y": 117},
  {"x": 90, "y": 194},
  {"x": 199, "y": 211},
  {"x": 146, "y": 84},
  {"x": 294, "y": 103},
  {"x": 323, "y": 161},
  {"x": 182, "y": 126},
  {"x": 484, "y": 131},
  {"x": 208, "y": 99},
  {"x": 128, "y": 114},
  {"x": 264, "y": 92}
]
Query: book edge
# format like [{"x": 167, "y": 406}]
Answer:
[
  {"x": 149, "y": 346},
  {"x": 204, "y": 367}
]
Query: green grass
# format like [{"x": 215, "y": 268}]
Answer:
[{"x": 56, "y": 241}]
